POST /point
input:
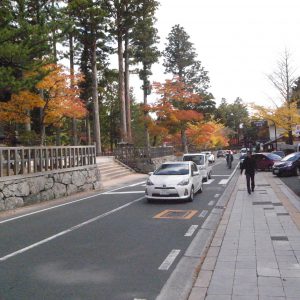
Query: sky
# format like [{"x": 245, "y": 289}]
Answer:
[{"x": 239, "y": 42}]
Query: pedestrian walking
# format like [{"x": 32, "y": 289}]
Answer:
[
  {"x": 229, "y": 158},
  {"x": 249, "y": 165}
]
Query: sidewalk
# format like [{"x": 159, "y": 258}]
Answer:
[{"x": 255, "y": 252}]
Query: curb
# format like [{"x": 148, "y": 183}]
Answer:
[{"x": 180, "y": 283}]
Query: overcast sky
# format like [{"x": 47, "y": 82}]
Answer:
[{"x": 237, "y": 41}]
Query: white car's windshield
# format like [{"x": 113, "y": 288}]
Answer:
[
  {"x": 172, "y": 169},
  {"x": 197, "y": 159}
]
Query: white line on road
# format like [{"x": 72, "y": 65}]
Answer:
[
  {"x": 169, "y": 260},
  {"x": 3, "y": 258},
  {"x": 217, "y": 195},
  {"x": 220, "y": 175},
  {"x": 128, "y": 192},
  {"x": 64, "y": 204},
  {"x": 209, "y": 181},
  {"x": 224, "y": 181},
  {"x": 191, "y": 230},
  {"x": 203, "y": 213},
  {"x": 211, "y": 203},
  {"x": 135, "y": 184}
]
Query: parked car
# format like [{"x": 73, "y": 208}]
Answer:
[
  {"x": 210, "y": 156},
  {"x": 220, "y": 153},
  {"x": 289, "y": 165},
  {"x": 280, "y": 153},
  {"x": 265, "y": 160},
  {"x": 201, "y": 160},
  {"x": 174, "y": 180}
]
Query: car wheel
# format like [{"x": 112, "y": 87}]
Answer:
[
  {"x": 192, "y": 194},
  {"x": 209, "y": 175},
  {"x": 297, "y": 171},
  {"x": 201, "y": 189}
]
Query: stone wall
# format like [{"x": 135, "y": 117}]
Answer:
[
  {"x": 18, "y": 191},
  {"x": 146, "y": 165}
]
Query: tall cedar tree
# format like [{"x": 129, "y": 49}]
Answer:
[
  {"x": 24, "y": 44},
  {"x": 91, "y": 21},
  {"x": 145, "y": 52},
  {"x": 180, "y": 59}
]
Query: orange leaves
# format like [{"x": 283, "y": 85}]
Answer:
[
  {"x": 173, "y": 108},
  {"x": 61, "y": 96},
  {"x": 57, "y": 94},
  {"x": 17, "y": 108},
  {"x": 207, "y": 135}
]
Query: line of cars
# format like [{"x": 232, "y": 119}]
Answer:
[
  {"x": 180, "y": 180},
  {"x": 276, "y": 162}
]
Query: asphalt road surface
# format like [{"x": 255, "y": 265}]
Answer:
[
  {"x": 112, "y": 246},
  {"x": 293, "y": 182}
]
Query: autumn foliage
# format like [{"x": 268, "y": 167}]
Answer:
[
  {"x": 54, "y": 95},
  {"x": 178, "y": 123}
]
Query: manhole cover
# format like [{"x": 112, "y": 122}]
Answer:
[{"x": 279, "y": 238}]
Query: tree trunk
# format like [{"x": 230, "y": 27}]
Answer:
[
  {"x": 145, "y": 92},
  {"x": 88, "y": 131},
  {"x": 122, "y": 89},
  {"x": 184, "y": 141},
  {"x": 97, "y": 134},
  {"x": 74, "y": 121},
  {"x": 127, "y": 92}
]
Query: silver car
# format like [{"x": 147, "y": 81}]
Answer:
[{"x": 174, "y": 180}]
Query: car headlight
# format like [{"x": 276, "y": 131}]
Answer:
[
  {"x": 289, "y": 164},
  {"x": 149, "y": 182},
  {"x": 184, "y": 182}
]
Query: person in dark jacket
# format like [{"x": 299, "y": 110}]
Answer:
[{"x": 249, "y": 165}]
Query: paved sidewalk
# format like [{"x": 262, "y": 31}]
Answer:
[{"x": 255, "y": 253}]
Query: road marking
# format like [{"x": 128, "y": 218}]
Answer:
[
  {"x": 135, "y": 184},
  {"x": 211, "y": 203},
  {"x": 3, "y": 258},
  {"x": 176, "y": 214},
  {"x": 191, "y": 230},
  {"x": 220, "y": 175},
  {"x": 60, "y": 205},
  {"x": 217, "y": 195},
  {"x": 203, "y": 213},
  {"x": 224, "y": 181},
  {"x": 209, "y": 181},
  {"x": 169, "y": 260},
  {"x": 119, "y": 193}
]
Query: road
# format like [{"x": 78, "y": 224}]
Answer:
[
  {"x": 293, "y": 182},
  {"x": 114, "y": 245}
]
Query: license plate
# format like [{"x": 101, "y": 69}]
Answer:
[
  {"x": 164, "y": 192},
  {"x": 276, "y": 171}
]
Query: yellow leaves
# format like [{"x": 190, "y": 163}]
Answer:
[{"x": 285, "y": 117}]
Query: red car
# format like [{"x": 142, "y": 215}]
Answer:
[{"x": 265, "y": 160}]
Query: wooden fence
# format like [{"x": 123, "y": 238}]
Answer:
[{"x": 27, "y": 160}]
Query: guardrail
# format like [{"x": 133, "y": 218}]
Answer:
[
  {"x": 28, "y": 160},
  {"x": 129, "y": 155}
]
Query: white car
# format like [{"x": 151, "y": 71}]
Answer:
[
  {"x": 174, "y": 180},
  {"x": 210, "y": 156},
  {"x": 201, "y": 160}
]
